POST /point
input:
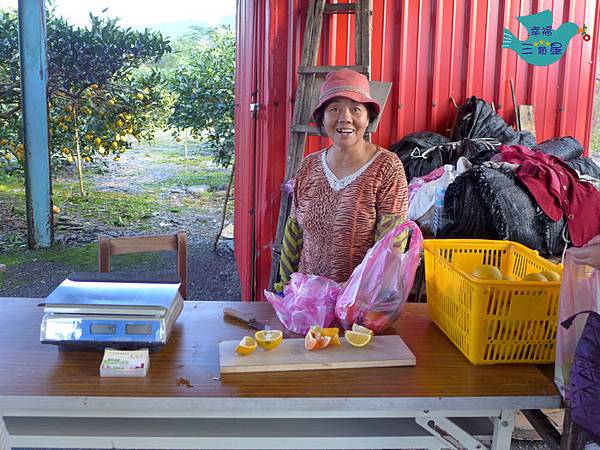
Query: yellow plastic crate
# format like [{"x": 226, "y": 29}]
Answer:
[{"x": 491, "y": 321}]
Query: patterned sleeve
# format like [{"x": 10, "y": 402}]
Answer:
[
  {"x": 392, "y": 195},
  {"x": 392, "y": 199}
]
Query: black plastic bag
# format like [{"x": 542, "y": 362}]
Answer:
[
  {"x": 565, "y": 148},
  {"x": 585, "y": 166},
  {"x": 477, "y": 119},
  {"x": 486, "y": 203}
]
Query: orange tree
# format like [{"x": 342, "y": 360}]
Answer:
[
  {"x": 99, "y": 96},
  {"x": 203, "y": 88}
]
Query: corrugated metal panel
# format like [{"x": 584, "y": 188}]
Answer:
[{"x": 431, "y": 50}]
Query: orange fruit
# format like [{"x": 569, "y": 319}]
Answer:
[
  {"x": 318, "y": 338},
  {"x": 333, "y": 333},
  {"x": 360, "y": 329},
  {"x": 358, "y": 339},
  {"x": 551, "y": 275},
  {"x": 246, "y": 346},
  {"x": 55, "y": 209},
  {"x": 310, "y": 341},
  {"x": 487, "y": 272},
  {"x": 534, "y": 277},
  {"x": 268, "y": 339}
]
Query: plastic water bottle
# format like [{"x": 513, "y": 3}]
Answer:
[{"x": 440, "y": 191}]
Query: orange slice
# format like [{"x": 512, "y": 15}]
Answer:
[
  {"x": 318, "y": 338},
  {"x": 333, "y": 333},
  {"x": 268, "y": 339},
  {"x": 358, "y": 339},
  {"x": 246, "y": 346},
  {"x": 360, "y": 329},
  {"x": 310, "y": 341}
]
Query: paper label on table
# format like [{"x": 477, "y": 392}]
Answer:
[
  {"x": 383, "y": 351},
  {"x": 125, "y": 363}
]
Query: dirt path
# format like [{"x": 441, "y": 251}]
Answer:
[{"x": 163, "y": 176}]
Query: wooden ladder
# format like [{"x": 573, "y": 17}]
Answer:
[{"x": 307, "y": 72}]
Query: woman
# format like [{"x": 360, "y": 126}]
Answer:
[{"x": 347, "y": 195}]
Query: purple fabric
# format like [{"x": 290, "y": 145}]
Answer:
[{"x": 584, "y": 385}]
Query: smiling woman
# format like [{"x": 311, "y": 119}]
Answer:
[{"x": 346, "y": 196}]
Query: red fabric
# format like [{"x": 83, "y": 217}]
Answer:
[{"x": 558, "y": 190}]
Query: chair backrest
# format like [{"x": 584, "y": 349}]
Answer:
[{"x": 108, "y": 247}]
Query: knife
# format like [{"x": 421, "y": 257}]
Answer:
[{"x": 252, "y": 321}]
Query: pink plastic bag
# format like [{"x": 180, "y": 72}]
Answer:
[
  {"x": 307, "y": 300},
  {"x": 579, "y": 291},
  {"x": 379, "y": 286}
]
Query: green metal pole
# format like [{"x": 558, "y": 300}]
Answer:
[{"x": 34, "y": 82}]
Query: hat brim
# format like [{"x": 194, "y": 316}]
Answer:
[{"x": 355, "y": 96}]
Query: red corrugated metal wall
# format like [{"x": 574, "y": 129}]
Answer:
[{"x": 431, "y": 50}]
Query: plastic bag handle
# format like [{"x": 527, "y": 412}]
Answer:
[{"x": 416, "y": 238}]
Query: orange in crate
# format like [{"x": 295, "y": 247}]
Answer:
[{"x": 492, "y": 321}]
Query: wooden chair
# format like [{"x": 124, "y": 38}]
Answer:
[{"x": 108, "y": 247}]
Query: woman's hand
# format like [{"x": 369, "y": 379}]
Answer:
[{"x": 588, "y": 254}]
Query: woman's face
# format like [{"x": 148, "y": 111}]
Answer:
[{"x": 345, "y": 121}]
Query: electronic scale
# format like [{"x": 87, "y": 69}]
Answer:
[{"x": 111, "y": 310}]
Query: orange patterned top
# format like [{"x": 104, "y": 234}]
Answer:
[{"x": 339, "y": 217}]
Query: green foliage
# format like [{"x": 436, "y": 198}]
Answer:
[
  {"x": 204, "y": 94},
  {"x": 100, "y": 92}
]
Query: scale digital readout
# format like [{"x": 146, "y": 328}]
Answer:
[{"x": 111, "y": 310}]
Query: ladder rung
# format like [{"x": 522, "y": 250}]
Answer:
[
  {"x": 340, "y": 8},
  {"x": 324, "y": 70},
  {"x": 315, "y": 131}
]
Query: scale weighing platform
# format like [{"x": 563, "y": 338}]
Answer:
[{"x": 121, "y": 311}]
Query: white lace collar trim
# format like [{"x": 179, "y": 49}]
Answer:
[{"x": 337, "y": 184}]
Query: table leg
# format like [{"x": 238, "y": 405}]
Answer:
[
  {"x": 542, "y": 425},
  {"x": 572, "y": 438},
  {"x": 503, "y": 429}
]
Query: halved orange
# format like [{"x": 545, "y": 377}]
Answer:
[
  {"x": 246, "y": 346},
  {"x": 360, "y": 329},
  {"x": 268, "y": 339},
  {"x": 358, "y": 339}
]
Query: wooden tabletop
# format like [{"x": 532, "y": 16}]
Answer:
[{"x": 189, "y": 365}]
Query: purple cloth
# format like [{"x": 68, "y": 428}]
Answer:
[{"x": 584, "y": 384}]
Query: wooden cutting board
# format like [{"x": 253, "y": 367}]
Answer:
[{"x": 383, "y": 351}]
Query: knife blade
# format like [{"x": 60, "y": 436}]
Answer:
[{"x": 252, "y": 321}]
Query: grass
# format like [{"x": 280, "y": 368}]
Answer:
[
  {"x": 215, "y": 179},
  {"x": 83, "y": 258},
  {"x": 111, "y": 208}
]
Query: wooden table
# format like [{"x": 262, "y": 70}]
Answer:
[{"x": 50, "y": 398}]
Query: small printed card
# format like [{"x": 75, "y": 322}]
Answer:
[{"x": 125, "y": 363}]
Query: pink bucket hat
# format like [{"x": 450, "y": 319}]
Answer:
[{"x": 346, "y": 83}]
